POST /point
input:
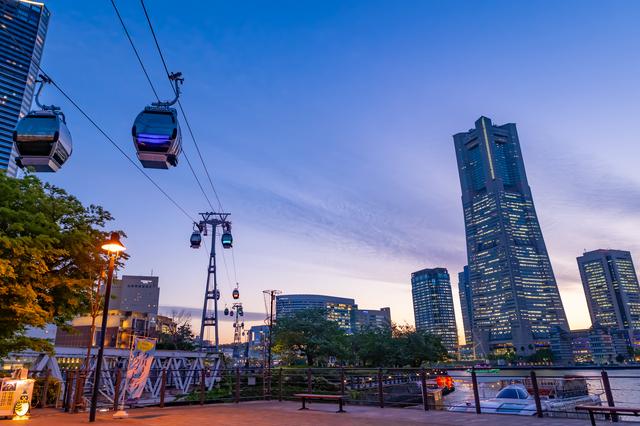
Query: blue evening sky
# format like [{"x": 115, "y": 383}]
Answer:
[{"x": 327, "y": 128}]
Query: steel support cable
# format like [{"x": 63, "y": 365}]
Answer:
[
  {"x": 184, "y": 115},
  {"x": 144, "y": 70},
  {"x": 100, "y": 130},
  {"x": 193, "y": 137},
  {"x": 126, "y": 32}
]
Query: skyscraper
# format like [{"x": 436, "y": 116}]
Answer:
[
  {"x": 611, "y": 287},
  {"x": 433, "y": 306},
  {"x": 23, "y": 28},
  {"x": 466, "y": 304},
  {"x": 515, "y": 296}
]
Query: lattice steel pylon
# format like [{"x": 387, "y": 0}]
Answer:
[
  {"x": 238, "y": 328},
  {"x": 212, "y": 294}
]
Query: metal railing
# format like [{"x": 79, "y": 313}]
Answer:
[{"x": 552, "y": 393}]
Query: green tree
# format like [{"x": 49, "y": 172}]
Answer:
[
  {"x": 50, "y": 257},
  {"x": 413, "y": 348},
  {"x": 180, "y": 336},
  {"x": 309, "y": 334},
  {"x": 373, "y": 348}
]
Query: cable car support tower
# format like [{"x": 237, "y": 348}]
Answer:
[{"x": 211, "y": 295}]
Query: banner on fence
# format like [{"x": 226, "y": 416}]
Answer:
[{"x": 140, "y": 360}]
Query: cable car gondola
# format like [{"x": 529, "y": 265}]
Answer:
[
  {"x": 196, "y": 239},
  {"x": 42, "y": 138},
  {"x": 227, "y": 238},
  {"x": 156, "y": 132},
  {"x": 236, "y": 294},
  {"x": 226, "y": 311}
]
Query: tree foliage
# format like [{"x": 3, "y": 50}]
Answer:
[
  {"x": 180, "y": 337},
  {"x": 309, "y": 335},
  {"x": 50, "y": 257}
]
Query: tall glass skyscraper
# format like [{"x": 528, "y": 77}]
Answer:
[
  {"x": 466, "y": 304},
  {"x": 515, "y": 296},
  {"x": 433, "y": 306},
  {"x": 611, "y": 287},
  {"x": 23, "y": 28}
]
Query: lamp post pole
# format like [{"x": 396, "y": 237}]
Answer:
[{"x": 113, "y": 246}]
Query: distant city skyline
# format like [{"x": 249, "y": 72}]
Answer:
[{"x": 326, "y": 127}]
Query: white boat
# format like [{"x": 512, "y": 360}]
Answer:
[{"x": 515, "y": 399}]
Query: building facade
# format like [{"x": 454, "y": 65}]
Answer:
[
  {"x": 466, "y": 304},
  {"x": 23, "y": 29},
  {"x": 338, "y": 309},
  {"x": 611, "y": 288},
  {"x": 368, "y": 319},
  {"x": 515, "y": 296},
  {"x": 433, "y": 306},
  {"x": 137, "y": 293}
]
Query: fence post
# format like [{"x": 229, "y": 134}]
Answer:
[
  {"x": 380, "y": 389},
  {"x": 607, "y": 391},
  {"x": 79, "y": 392},
  {"x": 116, "y": 390},
  {"x": 536, "y": 393},
  {"x": 280, "y": 384},
  {"x": 163, "y": 386},
  {"x": 423, "y": 382},
  {"x": 476, "y": 394},
  {"x": 45, "y": 389},
  {"x": 342, "y": 380},
  {"x": 237, "y": 385},
  {"x": 68, "y": 385},
  {"x": 202, "y": 379},
  {"x": 309, "y": 381}
]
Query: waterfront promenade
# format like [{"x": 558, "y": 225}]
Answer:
[{"x": 268, "y": 413}]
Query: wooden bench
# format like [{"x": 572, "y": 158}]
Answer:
[
  {"x": 597, "y": 409},
  {"x": 309, "y": 396}
]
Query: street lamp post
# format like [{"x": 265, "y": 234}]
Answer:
[{"x": 113, "y": 246}]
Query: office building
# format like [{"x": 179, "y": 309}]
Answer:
[
  {"x": 433, "y": 306},
  {"x": 466, "y": 304},
  {"x": 515, "y": 296},
  {"x": 137, "y": 293},
  {"x": 23, "y": 29},
  {"x": 369, "y": 319},
  {"x": 611, "y": 288},
  {"x": 338, "y": 309}
]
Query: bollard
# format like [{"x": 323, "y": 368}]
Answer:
[
  {"x": 342, "y": 380},
  {"x": 476, "y": 394},
  {"x": 163, "y": 386},
  {"x": 280, "y": 384},
  {"x": 309, "y": 380},
  {"x": 237, "y": 385},
  {"x": 536, "y": 393},
  {"x": 607, "y": 391},
  {"x": 423, "y": 382},
  {"x": 202, "y": 379},
  {"x": 116, "y": 390},
  {"x": 380, "y": 389},
  {"x": 45, "y": 389}
]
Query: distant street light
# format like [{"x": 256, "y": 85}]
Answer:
[{"x": 113, "y": 246}]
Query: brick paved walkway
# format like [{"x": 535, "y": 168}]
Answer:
[{"x": 261, "y": 413}]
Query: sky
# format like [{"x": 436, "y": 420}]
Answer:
[{"x": 327, "y": 129}]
